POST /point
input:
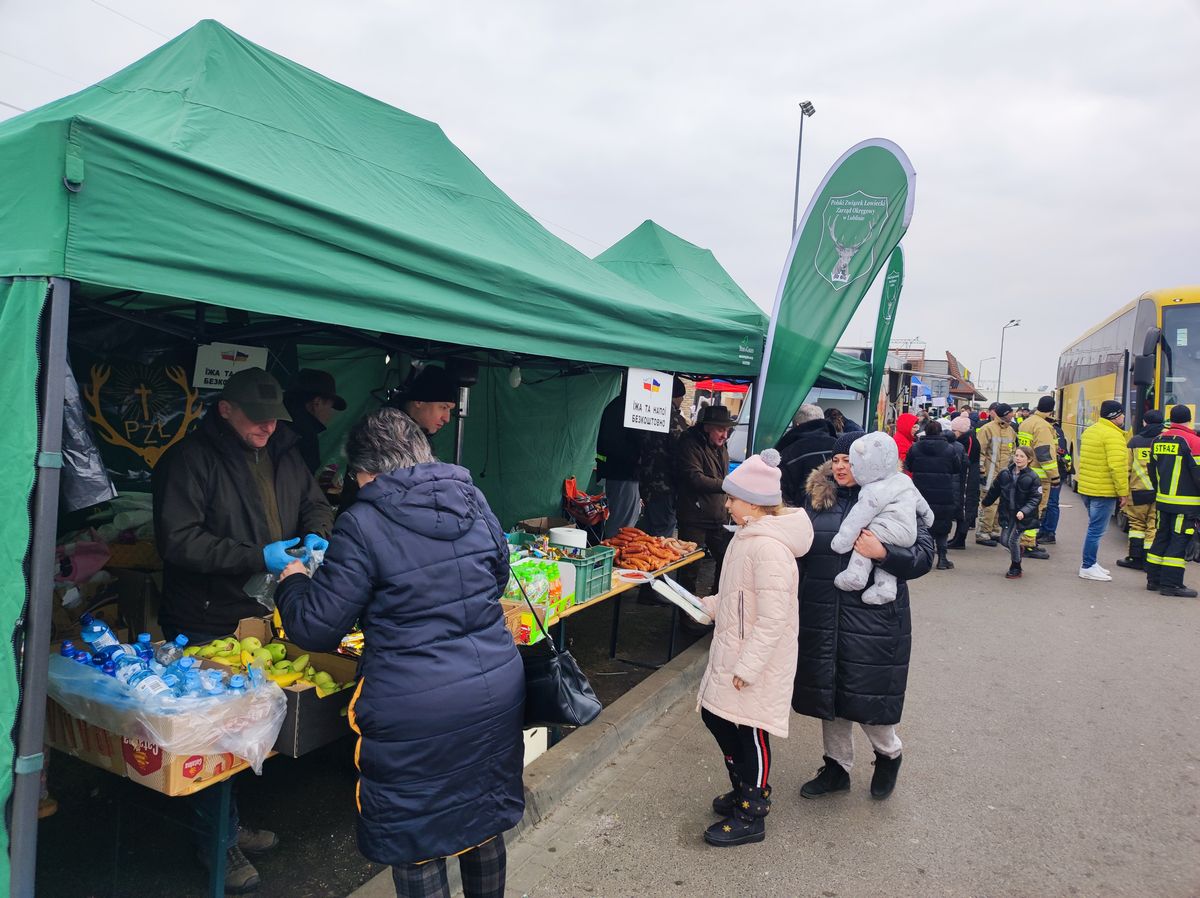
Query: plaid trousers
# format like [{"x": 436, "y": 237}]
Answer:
[{"x": 482, "y": 868}]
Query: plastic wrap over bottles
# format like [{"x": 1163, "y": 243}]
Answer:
[
  {"x": 85, "y": 480},
  {"x": 245, "y": 724}
]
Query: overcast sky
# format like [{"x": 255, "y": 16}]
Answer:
[{"x": 1057, "y": 145}]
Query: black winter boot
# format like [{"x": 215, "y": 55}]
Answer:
[
  {"x": 723, "y": 804},
  {"x": 1036, "y": 552},
  {"x": 944, "y": 563},
  {"x": 1014, "y": 572},
  {"x": 884, "y": 779},
  {"x": 1136, "y": 558},
  {"x": 1179, "y": 592},
  {"x": 832, "y": 777},
  {"x": 986, "y": 540},
  {"x": 747, "y": 823}
]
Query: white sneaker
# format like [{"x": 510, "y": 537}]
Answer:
[
  {"x": 1095, "y": 572},
  {"x": 1106, "y": 570}
]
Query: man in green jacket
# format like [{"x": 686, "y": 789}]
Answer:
[{"x": 1103, "y": 480}]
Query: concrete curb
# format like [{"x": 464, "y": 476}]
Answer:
[{"x": 563, "y": 767}]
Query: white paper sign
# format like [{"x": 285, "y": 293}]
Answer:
[
  {"x": 217, "y": 362},
  {"x": 648, "y": 400}
]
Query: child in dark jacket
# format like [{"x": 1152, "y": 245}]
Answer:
[{"x": 1019, "y": 490}]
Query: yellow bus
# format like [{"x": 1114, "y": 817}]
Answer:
[{"x": 1145, "y": 355}]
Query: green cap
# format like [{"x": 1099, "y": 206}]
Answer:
[{"x": 257, "y": 394}]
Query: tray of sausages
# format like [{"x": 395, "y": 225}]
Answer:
[{"x": 639, "y": 551}]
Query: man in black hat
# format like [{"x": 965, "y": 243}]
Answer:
[
  {"x": 656, "y": 469},
  {"x": 430, "y": 399},
  {"x": 701, "y": 464},
  {"x": 229, "y": 500},
  {"x": 311, "y": 400}
]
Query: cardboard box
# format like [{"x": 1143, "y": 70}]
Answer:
[
  {"x": 143, "y": 762},
  {"x": 311, "y": 721},
  {"x": 543, "y": 525}
]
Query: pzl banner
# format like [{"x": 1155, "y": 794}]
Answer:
[
  {"x": 853, "y": 222},
  {"x": 893, "y": 281}
]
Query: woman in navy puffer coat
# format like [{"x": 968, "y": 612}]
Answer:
[{"x": 420, "y": 561}]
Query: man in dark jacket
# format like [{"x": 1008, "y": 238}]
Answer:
[
  {"x": 312, "y": 400},
  {"x": 656, "y": 469},
  {"x": 618, "y": 456},
  {"x": 229, "y": 499},
  {"x": 936, "y": 466},
  {"x": 802, "y": 450},
  {"x": 964, "y": 434},
  {"x": 701, "y": 463}
]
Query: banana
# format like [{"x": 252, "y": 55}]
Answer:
[{"x": 300, "y": 663}]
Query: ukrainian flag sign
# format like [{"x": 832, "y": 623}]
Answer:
[{"x": 648, "y": 400}]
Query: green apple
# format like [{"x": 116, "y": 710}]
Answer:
[
  {"x": 251, "y": 644},
  {"x": 278, "y": 650}
]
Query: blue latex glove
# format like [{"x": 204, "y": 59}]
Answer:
[
  {"x": 315, "y": 543},
  {"x": 276, "y": 557}
]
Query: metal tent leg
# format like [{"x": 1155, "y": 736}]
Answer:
[{"x": 35, "y": 658}]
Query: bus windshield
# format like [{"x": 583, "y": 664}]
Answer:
[{"x": 1181, "y": 356}]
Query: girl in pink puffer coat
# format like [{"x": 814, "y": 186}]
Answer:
[{"x": 747, "y": 688}]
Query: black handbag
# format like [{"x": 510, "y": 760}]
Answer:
[{"x": 556, "y": 691}]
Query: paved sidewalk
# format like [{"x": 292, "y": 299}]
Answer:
[{"x": 1052, "y": 747}]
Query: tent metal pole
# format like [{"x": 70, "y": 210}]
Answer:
[
  {"x": 753, "y": 417},
  {"x": 35, "y": 658},
  {"x": 460, "y": 423}
]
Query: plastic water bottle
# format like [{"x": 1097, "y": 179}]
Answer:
[
  {"x": 82, "y": 657},
  {"x": 180, "y": 667},
  {"x": 237, "y": 685},
  {"x": 97, "y": 634},
  {"x": 98, "y": 660},
  {"x": 170, "y": 652},
  {"x": 109, "y": 669},
  {"x": 143, "y": 647},
  {"x": 212, "y": 681},
  {"x": 68, "y": 649},
  {"x": 172, "y": 682},
  {"x": 135, "y": 676}
]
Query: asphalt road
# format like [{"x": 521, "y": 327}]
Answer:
[{"x": 1052, "y": 747}]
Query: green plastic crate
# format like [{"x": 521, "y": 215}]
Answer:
[{"x": 593, "y": 572}]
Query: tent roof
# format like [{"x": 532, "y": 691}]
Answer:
[
  {"x": 215, "y": 170},
  {"x": 686, "y": 275},
  {"x": 690, "y": 277}
]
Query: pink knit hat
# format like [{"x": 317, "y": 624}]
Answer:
[
  {"x": 756, "y": 480},
  {"x": 961, "y": 424}
]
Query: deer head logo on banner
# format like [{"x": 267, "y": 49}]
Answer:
[
  {"x": 852, "y": 225},
  {"x": 149, "y": 397}
]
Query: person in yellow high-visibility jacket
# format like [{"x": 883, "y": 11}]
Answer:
[
  {"x": 1038, "y": 434},
  {"x": 1141, "y": 511}
]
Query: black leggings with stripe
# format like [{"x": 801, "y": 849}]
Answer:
[{"x": 747, "y": 750}]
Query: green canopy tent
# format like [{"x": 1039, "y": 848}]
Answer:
[
  {"x": 215, "y": 174},
  {"x": 689, "y": 278}
]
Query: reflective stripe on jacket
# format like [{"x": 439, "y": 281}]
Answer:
[
  {"x": 1038, "y": 433},
  {"x": 1173, "y": 470}
]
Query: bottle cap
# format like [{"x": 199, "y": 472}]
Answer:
[
  {"x": 181, "y": 640},
  {"x": 237, "y": 681},
  {"x": 185, "y": 664},
  {"x": 143, "y": 637}
]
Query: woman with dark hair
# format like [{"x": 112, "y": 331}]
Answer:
[
  {"x": 852, "y": 665},
  {"x": 420, "y": 562},
  {"x": 936, "y": 466}
]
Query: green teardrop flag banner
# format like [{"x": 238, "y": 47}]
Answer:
[
  {"x": 853, "y": 222},
  {"x": 892, "y": 282}
]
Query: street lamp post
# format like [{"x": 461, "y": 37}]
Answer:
[
  {"x": 806, "y": 110},
  {"x": 979, "y": 370},
  {"x": 1016, "y": 322}
]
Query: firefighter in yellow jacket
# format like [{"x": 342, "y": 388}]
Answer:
[
  {"x": 1141, "y": 511},
  {"x": 1038, "y": 434},
  {"x": 1175, "y": 474},
  {"x": 997, "y": 439}
]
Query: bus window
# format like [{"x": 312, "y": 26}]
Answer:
[{"x": 1181, "y": 356}]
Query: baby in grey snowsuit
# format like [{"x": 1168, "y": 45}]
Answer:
[{"x": 888, "y": 505}]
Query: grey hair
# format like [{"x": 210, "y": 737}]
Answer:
[
  {"x": 807, "y": 412},
  {"x": 385, "y": 441}
]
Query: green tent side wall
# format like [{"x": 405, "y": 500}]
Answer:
[{"x": 21, "y": 302}]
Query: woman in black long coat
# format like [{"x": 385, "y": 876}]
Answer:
[
  {"x": 852, "y": 665},
  {"x": 936, "y": 466},
  {"x": 965, "y": 436},
  {"x": 421, "y": 562}
]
